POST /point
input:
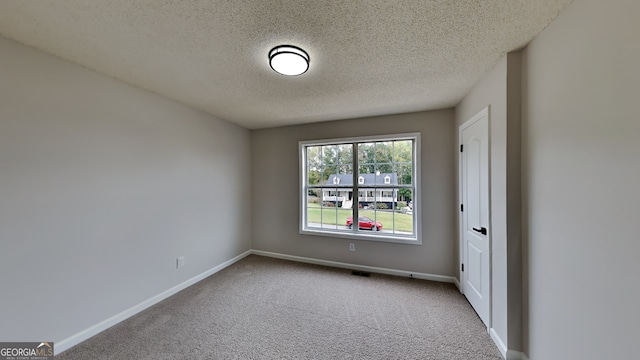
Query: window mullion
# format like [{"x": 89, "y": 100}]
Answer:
[{"x": 356, "y": 190}]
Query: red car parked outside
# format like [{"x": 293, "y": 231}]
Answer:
[{"x": 365, "y": 223}]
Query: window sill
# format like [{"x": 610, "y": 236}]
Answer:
[{"x": 362, "y": 235}]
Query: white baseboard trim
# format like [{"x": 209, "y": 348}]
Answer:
[
  {"x": 455, "y": 281},
  {"x": 506, "y": 353},
  {"x": 498, "y": 341},
  {"x": 378, "y": 270},
  {"x": 516, "y": 355},
  {"x": 83, "y": 335}
]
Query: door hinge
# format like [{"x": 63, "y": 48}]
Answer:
[
  {"x": 461, "y": 207},
  {"x": 461, "y": 147},
  {"x": 462, "y": 267}
]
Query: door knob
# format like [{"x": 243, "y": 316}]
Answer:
[{"x": 482, "y": 231}]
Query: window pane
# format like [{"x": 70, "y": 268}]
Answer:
[
  {"x": 367, "y": 169},
  {"x": 314, "y": 197},
  {"x": 313, "y": 176},
  {"x": 345, "y": 209},
  {"x": 334, "y": 212},
  {"x": 366, "y": 153},
  {"x": 326, "y": 175},
  {"x": 385, "y": 209},
  {"x": 384, "y": 168},
  {"x": 374, "y": 205},
  {"x": 329, "y": 216},
  {"x": 314, "y": 202},
  {"x": 345, "y": 154},
  {"x": 314, "y": 160},
  {"x": 366, "y": 210},
  {"x": 403, "y": 151},
  {"x": 329, "y": 162},
  {"x": 404, "y": 173},
  {"x": 314, "y": 165},
  {"x": 384, "y": 151},
  {"x": 346, "y": 172},
  {"x": 384, "y": 174},
  {"x": 403, "y": 213}
]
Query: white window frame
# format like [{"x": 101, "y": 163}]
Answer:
[{"x": 355, "y": 233}]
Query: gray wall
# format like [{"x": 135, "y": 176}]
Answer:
[
  {"x": 581, "y": 168},
  {"x": 491, "y": 91},
  {"x": 500, "y": 90},
  {"x": 275, "y": 188},
  {"x": 102, "y": 186}
]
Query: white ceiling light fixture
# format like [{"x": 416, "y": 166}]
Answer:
[{"x": 288, "y": 60}]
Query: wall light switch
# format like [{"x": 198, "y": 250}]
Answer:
[{"x": 179, "y": 262}]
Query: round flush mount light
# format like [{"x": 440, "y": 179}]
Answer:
[{"x": 288, "y": 60}]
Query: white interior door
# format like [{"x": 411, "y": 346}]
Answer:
[{"x": 474, "y": 222}]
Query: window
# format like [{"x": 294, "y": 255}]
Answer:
[{"x": 372, "y": 179}]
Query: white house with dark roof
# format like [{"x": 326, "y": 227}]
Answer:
[{"x": 343, "y": 191}]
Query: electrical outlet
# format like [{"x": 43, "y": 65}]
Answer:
[
  {"x": 179, "y": 262},
  {"x": 352, "y": 247}
]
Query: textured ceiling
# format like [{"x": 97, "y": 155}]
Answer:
[{"x": 368, "y": 57}]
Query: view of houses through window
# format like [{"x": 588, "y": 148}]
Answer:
[{"x": 379, "y": 193}]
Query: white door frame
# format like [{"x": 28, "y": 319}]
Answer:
[{"x": 462, "y": 245}]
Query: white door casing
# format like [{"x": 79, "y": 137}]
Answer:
[{"x": 475, "y": 245}]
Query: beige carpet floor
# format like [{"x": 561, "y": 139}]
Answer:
[{"x": 264, "y": 308}]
